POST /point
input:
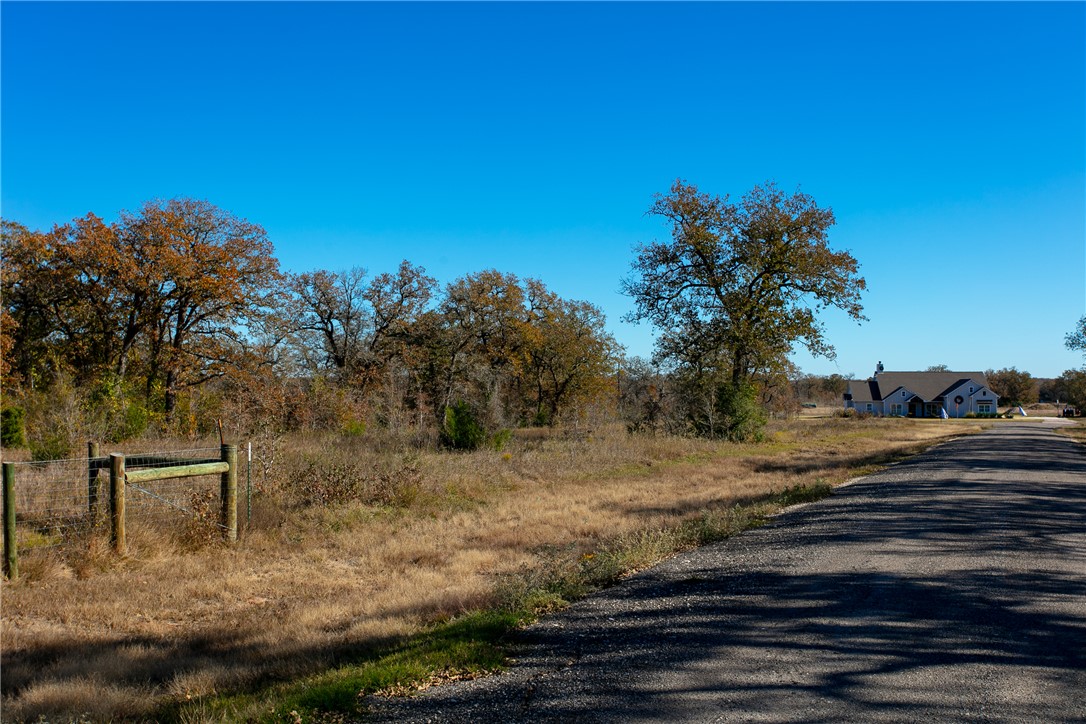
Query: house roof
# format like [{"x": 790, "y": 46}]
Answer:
[
  {"x": 863, "y": 390},
  {"x": 926, "y": 385}
]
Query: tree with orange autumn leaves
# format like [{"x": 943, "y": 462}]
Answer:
[
  {"x": 182, "y": 295},
  {"x": 171, "y": 290}
]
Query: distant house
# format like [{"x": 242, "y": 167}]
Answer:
[{"x": 922, "y": 394}]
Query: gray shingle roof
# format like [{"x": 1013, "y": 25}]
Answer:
[
  {"x": 863, "y": 390},
  {"x": 928, "y": 385}
]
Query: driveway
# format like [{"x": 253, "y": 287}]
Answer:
[{"x": 950, "y": 587}]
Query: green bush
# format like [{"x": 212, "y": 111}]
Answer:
[
  {"x": 134, "y": 421},
  {"x": 13, "y": 427},
  {"x": 462, "y": 429},
  {"x": 500, "y": 439},
  {"x": 354, "y": 428},
  {"x": 115, "y": 411},
  {"x": 53, "y": 446},
  {"x": 743, "y": 418}
]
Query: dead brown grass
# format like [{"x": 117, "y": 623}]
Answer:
[
  {"x": 308, "y": 586},
  {"x": 1076, "y": 431}
]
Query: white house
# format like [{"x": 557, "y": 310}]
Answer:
[{"x": 922, "y": 394}]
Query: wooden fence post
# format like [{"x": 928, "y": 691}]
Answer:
[
  {"x": 229, "y": 517},
  {"x": 11, "y": 553},
  {"x": 116, "y": 503},
  {"x": 92, "y": 482}
]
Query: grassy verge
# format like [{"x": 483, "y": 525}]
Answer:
[
  {"x": 1075, "y": 432},
  {"x": 478, "y": 642}
]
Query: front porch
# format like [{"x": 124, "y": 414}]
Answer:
[{"x": 923, "y": 408}]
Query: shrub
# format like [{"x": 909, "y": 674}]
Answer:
[
  {"x": 331, "y": 484},
  {"x": 743, "y": 417},
  {"x": 500, "y": 439},
  {"x": 115, "y": 411},
  {"x": 397, "y": 487},
  {"x": 354, "y": 428},
  {"x": 55, "y": 445},
  {"x": 462, "y": 429},
  {"x": 13, "y": 427},
  {"x": 135, "y": 420},
  {"x": 202, "y": 527}
]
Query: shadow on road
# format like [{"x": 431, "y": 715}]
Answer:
[{"x": 950, "y": 587}]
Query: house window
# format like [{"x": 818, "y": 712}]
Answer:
[
  {"x": 870, "y": 407},
  {"x": 903, "y": 393},
  {"x": 984, "y": 406},
  {"x": 897, "y": 409}
]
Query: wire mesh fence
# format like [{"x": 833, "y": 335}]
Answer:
[
  {"x": 188, "y": 501},
  {"x": 63, "y": 504},
  {"x": 52, "y": 503}
]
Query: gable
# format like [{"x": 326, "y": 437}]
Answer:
[
  {"x": 897, "y": 396},
  {"x": 966, "y": 388}
]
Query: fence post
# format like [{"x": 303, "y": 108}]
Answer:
[
  {"x": 92, "y": 482},
  {"x": 11, "y": 553},
  {"x": 229, "y": 517},
  {"x": 116, "y": 502},
  {"x": 249, "y": 486}
]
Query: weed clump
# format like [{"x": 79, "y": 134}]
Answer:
[{"x": 333, "y": 484}]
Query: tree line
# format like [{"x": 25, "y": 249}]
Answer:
[
  {"x": 167, "y": 313},
  {"x": 178, "y": 313}
]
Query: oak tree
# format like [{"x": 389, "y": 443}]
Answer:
[
  {"x": 1013, "y": 387},
  {"x": 214, "y": 274},
  {"x": 736, "y": 287},
  {"x": 29, "y": 298},
  {"x": 1076, "y": 340},
  {"x": 570, "y": 356},
  {"x": 328, "y": 313}
]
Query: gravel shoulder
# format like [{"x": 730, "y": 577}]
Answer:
[{"x": 950, "y": 587}]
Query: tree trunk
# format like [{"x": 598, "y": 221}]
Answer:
[{"x": 169, "y": 401}]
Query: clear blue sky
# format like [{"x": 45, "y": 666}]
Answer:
[{"x": 950, "y": 140}]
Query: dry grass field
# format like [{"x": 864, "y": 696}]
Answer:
[{"x": 316, "y": 580}]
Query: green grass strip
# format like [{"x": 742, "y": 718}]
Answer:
[{"x": 478, "y": 642}]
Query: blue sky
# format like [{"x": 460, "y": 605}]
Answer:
[{"x": 950, "y": 140}]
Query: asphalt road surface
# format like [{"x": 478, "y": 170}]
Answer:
[{"x": 951, "y": 588}]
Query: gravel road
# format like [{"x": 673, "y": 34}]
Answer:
[{"x": 950, "y": 587}]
